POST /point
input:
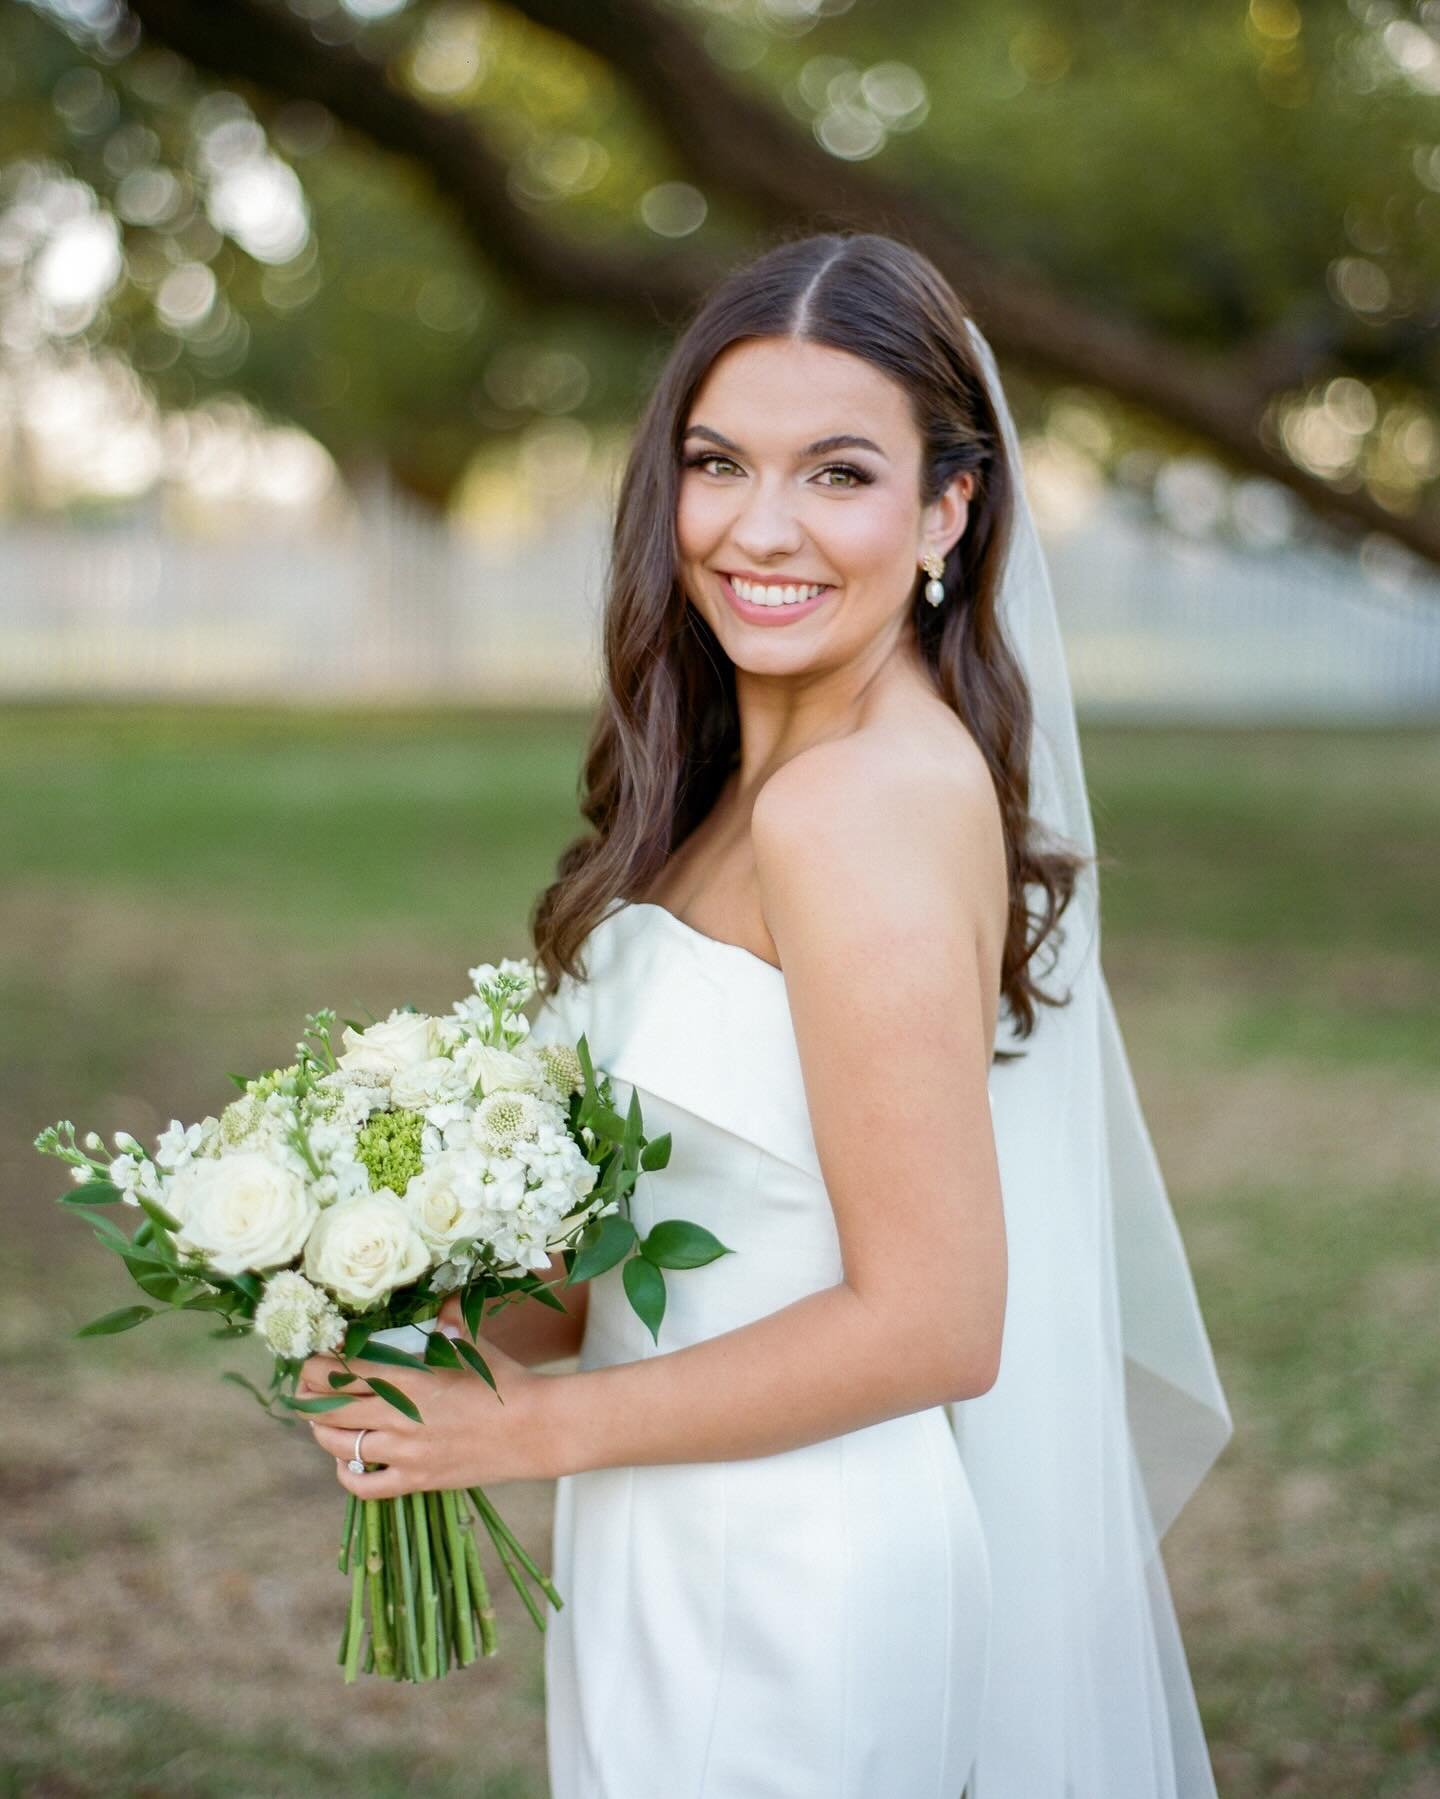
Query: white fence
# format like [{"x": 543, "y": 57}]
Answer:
[{"x": 395, "y": 607}]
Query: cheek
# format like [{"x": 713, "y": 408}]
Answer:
[
  {"x": 701, "y": 518},
  {"x": 870, "y": 535}
]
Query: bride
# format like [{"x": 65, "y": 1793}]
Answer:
[{"x": 877, "y": 1515}]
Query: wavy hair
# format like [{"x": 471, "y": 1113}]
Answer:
[{"x": 666, "y": 735}]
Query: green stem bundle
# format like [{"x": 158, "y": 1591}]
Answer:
[{"x": 419, "y": 1601}]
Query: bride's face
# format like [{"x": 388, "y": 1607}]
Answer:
[{"x": 801, "y": 472}]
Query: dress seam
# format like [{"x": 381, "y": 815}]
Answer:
[
  {"x": 950, "y": 1668},
  {"x": 750, "y": 1191},
  {"x": 848, "y": 1588},
  {"x": 607, "y": 1710},
  {"x": 724, "y": 1626}
]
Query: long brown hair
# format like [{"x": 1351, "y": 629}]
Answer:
[{"x": 667, "y": 732}]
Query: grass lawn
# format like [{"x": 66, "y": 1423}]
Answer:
[{"x": 182, "y": 885}]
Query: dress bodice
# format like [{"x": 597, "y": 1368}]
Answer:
[{"x": 702, "y": 1030}]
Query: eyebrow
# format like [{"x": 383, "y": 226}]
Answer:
[{"x": 843, "y": 440}]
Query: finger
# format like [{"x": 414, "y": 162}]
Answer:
[
  {"x": 381, "y": 1446},
  {"x": 378, "y": 1483},
  {"x": 362, "y": 1414},
  {"x": 315, "y": 1372}
]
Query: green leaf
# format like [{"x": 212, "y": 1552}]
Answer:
[
  {"x": 674, "y": 1243},
  {"x": 472, "y": 1356},
  {"x": 602, "y": 1243},
  {"x": 154, "y": 1210},
  {"x": 207, "y": 1302},
  {"x": 357, "y": 1335},
  {"x": 338, "y": 1379},
  {"x": 587, "y": 1067},
  {"x": 472, "y": 1308},
  {"x": 124, "y": 1320},
  {"x": 241, "y": 1081},
  {"x": 656, "y": 1152},
  {"x": 387, "y": 1353},
  {"x": 608, "y": 1122},
  {"x": 634, "y": 1130},
  {"x": 110, "y": 1234},
  {"x": 393, "y": 1396},
  {"x": 645, "y": 1289},
  {"x": 232, "y": 1330},
  {"x": 239, "y": 1380},
  {"x": 322, "y": 1404},
  {"x": 440, "y": 1352},
  {"x": 159, "y": 1285},
  {"x": 91, "y": 1193},
  {"x": 547, "y": 1297}
]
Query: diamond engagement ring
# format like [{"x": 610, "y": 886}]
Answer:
[{"x": 356, "y": 1464}]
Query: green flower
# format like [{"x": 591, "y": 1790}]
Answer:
[
  {"x": 279, "y": 1080},
  {"x": 388, "y": 1145}
]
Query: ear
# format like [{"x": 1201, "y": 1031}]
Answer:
[{"x": 944, "y": 520}]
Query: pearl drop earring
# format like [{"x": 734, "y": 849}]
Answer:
[{"x": 934, "y": 566}]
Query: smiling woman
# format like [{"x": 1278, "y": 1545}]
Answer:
[
  {"x": 883, "y": 1516},
  {"x": 762, "y": 502}
]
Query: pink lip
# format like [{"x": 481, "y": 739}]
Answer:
[{"x": 772, "y": 615}]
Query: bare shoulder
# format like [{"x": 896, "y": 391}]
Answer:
[{"x": 906, "y": 819}]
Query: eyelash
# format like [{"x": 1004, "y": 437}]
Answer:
[{"x": 862, "y": 479}]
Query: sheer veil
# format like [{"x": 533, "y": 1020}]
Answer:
[{"x": 1108, "y": 1410}]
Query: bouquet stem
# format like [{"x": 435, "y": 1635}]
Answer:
[{"x": 419, "y": 1600}]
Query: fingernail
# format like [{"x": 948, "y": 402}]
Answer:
[{"x": 450, "y": 1330}]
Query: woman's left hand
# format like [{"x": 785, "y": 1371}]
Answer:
[{"x": 468, "y": 1438}]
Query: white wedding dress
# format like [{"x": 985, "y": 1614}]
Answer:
[{"x": 813, "y": 1624}]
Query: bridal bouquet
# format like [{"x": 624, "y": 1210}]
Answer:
[{"x": 335, "y": 1204}]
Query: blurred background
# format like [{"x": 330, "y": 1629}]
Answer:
[{"x": 322, "y": 329}]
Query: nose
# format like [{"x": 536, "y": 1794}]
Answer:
[{"x": 765, "y": 525}]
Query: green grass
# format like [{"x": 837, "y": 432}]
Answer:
[
  {"x": 185, "y": 883},
  {"x": 115, "y": 1744}
]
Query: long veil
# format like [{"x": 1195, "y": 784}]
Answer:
[{"x": 1108, "y": 1411}]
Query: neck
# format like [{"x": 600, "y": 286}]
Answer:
[{"x": 781, "y": 715}]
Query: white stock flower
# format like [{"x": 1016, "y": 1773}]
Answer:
[
  {"x": 243, "y": 1213},
  {"x": 296, "y": 1319},
  {"x": 399, "y": 1041},
  {"x": 362, "y": 1248},
  {"x": 182, "y": 1143}
]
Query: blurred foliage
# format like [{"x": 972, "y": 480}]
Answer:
[{"x": 1219, "y": 173}]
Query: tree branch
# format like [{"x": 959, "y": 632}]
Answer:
[
  {"x": 273, "y": 48},
  {"x": 741, "y": 145},
  {"x": 731, "y": 141}
]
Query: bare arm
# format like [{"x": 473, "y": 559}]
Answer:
[{"x": 876, "y": 915}]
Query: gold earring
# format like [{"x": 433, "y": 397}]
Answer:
[{"x": 934, "y": 566}]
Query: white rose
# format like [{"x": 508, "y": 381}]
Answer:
[
  {"x": 242, "y": 1212},
  {"x": 496, "y": 1070},
  {"x": 447, "y": 1198},
  {"x": 399, "y": 1041},
  {"x": 426, "y": 1083},
  {"x": 364, "y": 1247}
]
